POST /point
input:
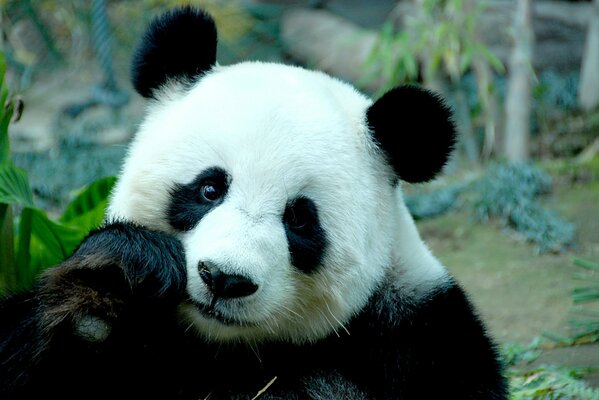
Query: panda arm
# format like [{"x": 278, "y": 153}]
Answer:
[
  {"x": 97, "y": 309},
  {"x": 436, "y": 347}
]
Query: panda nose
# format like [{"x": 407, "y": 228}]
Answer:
[{"x": 225, "y": 286}]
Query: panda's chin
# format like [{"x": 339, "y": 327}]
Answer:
[{"x": 213, "y": 314}]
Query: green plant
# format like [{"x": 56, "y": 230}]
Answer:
[
  {"x": 513, "y": 353},
  {"x": 543, "y": 382},
  {"x": 29, "y": 240},
  {"x": 550, "y": 383},
  {"x": 509, "y": 193},
  {"x": 586, "y": 326},
  {"x": 441, "y": 42}
]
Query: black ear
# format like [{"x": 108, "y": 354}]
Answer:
[
  {"x": 414, "y": 127},
  {"x": 178, "y": 45}
]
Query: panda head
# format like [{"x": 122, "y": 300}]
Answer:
[{"x": 280, "y": 182}]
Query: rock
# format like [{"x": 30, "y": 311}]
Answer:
[{"x": 327, "y": 42}]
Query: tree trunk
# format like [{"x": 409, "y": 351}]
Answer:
[
  {"x": 588, "y": 91},
  {"x": 518, "y": 98}
]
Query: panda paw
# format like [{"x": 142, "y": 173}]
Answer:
[
  {"x": 153, "y": 263},
  {"x": 120, "y": 268}
]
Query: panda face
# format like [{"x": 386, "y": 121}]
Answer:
[
  {"x": 280, "y": 182},
  {"x": 269, "y": 177}
]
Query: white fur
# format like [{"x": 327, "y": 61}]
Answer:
[{"x": 279, "y": 132}]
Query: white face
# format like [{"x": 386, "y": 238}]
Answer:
[{"x": 268, "y": 175}]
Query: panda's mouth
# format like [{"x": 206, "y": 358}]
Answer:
[{"x": 211, "y": 312}]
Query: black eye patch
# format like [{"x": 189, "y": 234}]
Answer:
[
  {"x": 305, "y": 235},
  {"x": 192, "y": 201}
]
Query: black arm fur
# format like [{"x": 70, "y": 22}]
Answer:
[{"x": 106, "y": 303}]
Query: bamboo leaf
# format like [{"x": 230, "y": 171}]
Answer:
[{"x": 586, "y": 264}]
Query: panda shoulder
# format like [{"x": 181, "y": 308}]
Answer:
[{"x": 435, "y": 300}]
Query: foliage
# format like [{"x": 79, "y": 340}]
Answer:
[
  {"x": 556, "y": 91},
  {"x": 65, "y": 31},
  {"x": 544, "y": 382},
  {"x": 30, "y": 240},
  {"x": 508, "y": 192},
  {"x": 440, "y": 43},
  {"x": 550, "y": 383},
  {"x": 514, "y": 353},
  {"x": 431, "y": 204},
  {"x": 586, "y": 325},
  {"x": 81, "y": 162},
  {"x": 444, "y": 38}
]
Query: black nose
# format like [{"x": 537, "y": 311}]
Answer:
[{"x": 223, "y": 285}]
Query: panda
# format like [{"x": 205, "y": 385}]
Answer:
[{"x": 256, "y": 246}]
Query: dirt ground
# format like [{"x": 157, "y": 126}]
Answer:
[{"x": 520, "y": 294}]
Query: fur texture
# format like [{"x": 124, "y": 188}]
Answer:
[
  {"x": 257, "y": 237},
  {"x": 392, "y": 349}
]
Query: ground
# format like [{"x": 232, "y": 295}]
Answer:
[{"x": 522, "y": 295}]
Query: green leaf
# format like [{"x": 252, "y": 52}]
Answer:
[
  {"x": 2, "y": 66},
  {"x": 23, "y": 273},
  {"x": 6, "y": 110},
  {"x": 87, "y": 209},
  {"x": 7, "y": 257},
  {"x": 581, "y": 262},
  {"x": 490, "y": 57},
  {"x": 14, "y": 187},
  {"x": 50, "y": 242}
]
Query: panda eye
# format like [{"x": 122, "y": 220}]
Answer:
[
  {"x": 210, "y": 192},
  {"x": 299, "y": 215},
  {"x": 294, "y": 219}
]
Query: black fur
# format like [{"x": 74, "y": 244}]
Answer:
[
  {"x": 128, "y": 277},
  {"x": 414, "y": 128},
  {"x": 396, "y": 348},
  {"x": 306, "y": 238},
  {"x": 179, "y": 45},
  {"x": 188, "y": 205}
]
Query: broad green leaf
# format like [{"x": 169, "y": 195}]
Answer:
[
  {"x": 87, "y": 209},
  {"x": 14, "y": 187},
  {"x": 23, "y": 273},
  {"x": 6, "y": 111},
  {"x": 7, "y": 259},
  {"x": 51, "y": 243}
]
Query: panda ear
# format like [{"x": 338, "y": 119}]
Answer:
[
  {"x": 178, "y": 45},
  {"x": 414, "y": 128}
]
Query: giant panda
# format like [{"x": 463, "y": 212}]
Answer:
[{"x": 256, "y": 246}]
